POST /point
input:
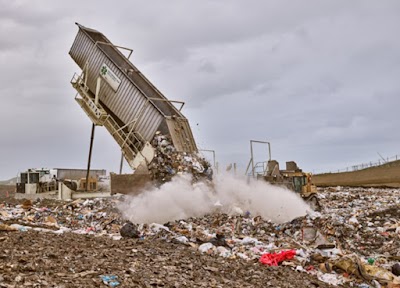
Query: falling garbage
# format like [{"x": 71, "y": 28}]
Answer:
[{"x": 168, "y": 162}]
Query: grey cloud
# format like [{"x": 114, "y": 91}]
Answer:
[
  {"x": 319, "y": 79},
  {"x": 207, "y": 67}
]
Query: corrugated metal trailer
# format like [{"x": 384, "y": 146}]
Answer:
[
  {"x": 115, "y": 94},
  {"x": 77, "y": 174}
]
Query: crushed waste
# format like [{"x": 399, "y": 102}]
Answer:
[{"x": 353, "y": 241}]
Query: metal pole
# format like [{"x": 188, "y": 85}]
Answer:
[
  {"x": 269, "y": 150},
  {"x": 252, "y": 159},
  {"x": 122, "y": 163},
  {"x": 90, "y": 156},
  {"x": 251, "y": 151}
]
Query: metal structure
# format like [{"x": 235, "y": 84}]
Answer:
[
  {"x": 34, "y": 180},
  {"x": 76, "y": 174},
  {"x": 253, "y": 165},
  {"x": 115, "y": 94}
]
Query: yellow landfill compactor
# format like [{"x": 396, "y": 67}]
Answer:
[{"x": 293, "y": 178}]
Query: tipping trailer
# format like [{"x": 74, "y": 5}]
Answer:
[{"x": 115, "y": 94}]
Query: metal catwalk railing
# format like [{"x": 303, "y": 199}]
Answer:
[{"x": 130, "y": 141}]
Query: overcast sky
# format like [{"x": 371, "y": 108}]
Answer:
[{"x": 318, "y": 79}]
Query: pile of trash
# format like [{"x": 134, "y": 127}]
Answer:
[
  {"x": 354, "y": 240},
  {"x": 169, "y": 162},
  {"x": 95, "y": 217}
]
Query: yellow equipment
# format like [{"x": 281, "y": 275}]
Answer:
[
  {"x": 92, "y": 184},
  {"x": 292, "y": 178}
]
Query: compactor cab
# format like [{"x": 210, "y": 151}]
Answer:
[
  {"x": 299, "y": 183},
  {"x": 92, "y": 184}
]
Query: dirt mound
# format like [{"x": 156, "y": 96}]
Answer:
[{"x": 387, "y": 175}]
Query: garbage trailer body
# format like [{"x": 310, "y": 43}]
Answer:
[{"x": 116, "y": 95}]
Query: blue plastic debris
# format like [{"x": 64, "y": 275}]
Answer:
[
  {"x": 22, "y": 229},
  {"x": 110, "y": 280}
]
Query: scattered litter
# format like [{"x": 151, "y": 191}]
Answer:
[
  {"x": 129, "y": 230},
  {"x": 396, "y": 269},
  {"x": 110, "y": 280},
  {"x": 5, "y": 227},
  {"x": 354, "y": 238},
  {"x": 207, "y": 248},
  {"x": 274, "y": 259}
]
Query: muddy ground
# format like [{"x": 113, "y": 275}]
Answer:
[
  {"x": 6, "y": 189},
  {"x": 79, "y": 242},
  {"x": 34, "y": 259}
]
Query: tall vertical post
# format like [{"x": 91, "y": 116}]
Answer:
[
  {"x": 252, "y": 157},
  {"x": 122, "y": 163},
  {"x": 90, "y": 157}
]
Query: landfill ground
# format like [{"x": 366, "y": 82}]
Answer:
[
  {"x": 353, "y": 242},
  {"x": 33, "y": 259}
]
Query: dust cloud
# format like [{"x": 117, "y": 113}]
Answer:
[{"x": 179, "y": 199}]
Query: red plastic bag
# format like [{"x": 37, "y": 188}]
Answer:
[{"x": 273, "y": 259}]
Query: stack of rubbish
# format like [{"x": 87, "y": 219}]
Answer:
[
  {"x": 95, "y": 217},
  {"x": 354, "y": 240},
  {"x": 336, "y": 245},
  {"x": 168, "y": 162}
]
